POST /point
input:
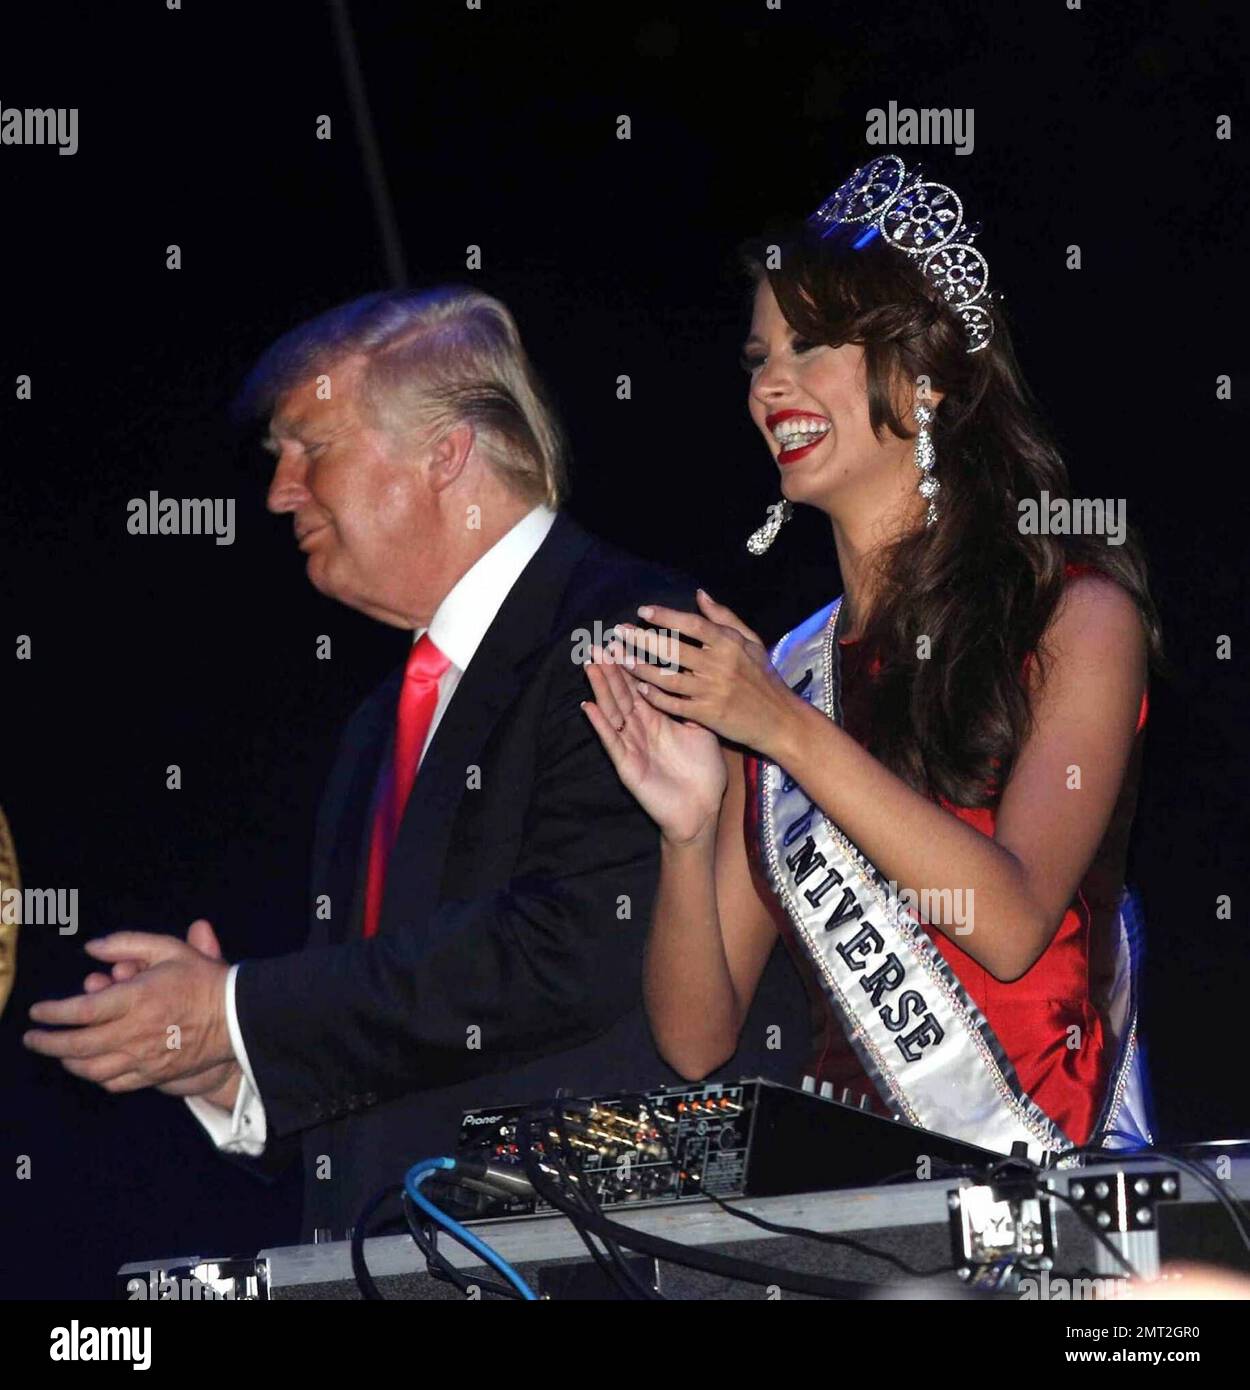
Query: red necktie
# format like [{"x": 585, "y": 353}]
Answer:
[{"x": 417, "y": 700}]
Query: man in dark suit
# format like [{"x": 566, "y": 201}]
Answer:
[{"x": 482, "y": 881}]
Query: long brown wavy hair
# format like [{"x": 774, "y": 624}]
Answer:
[{"x": 980, "y": 589}]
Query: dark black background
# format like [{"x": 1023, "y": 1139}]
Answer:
[{"x": 497, "y": 128}]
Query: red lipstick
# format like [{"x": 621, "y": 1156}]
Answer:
[{"x": 793, "y": 452}]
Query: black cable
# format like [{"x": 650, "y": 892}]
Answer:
[
  {"x": 612, "y": 1263},
  {"x": 630, "y": 1281},
  {"x": 830, "y": 1238},
  {"x": 1092, "y": 1226},
  {"x": 364, "y": 1280},
  {"x": 1145, "y": 1153},
  {"x": 612, "y": 1269},
  {"x": 590, "y": 1214},
  {"x": 723, "y": 1266},
  {"x": 1012, "y": 1171},
  {"x": 806, "y": 1233},
  {"x": 997, "y": 1174},
  {"x": 748, "y": 1271},
  {"x": 438, "y": 1266},
  {"x": 579, "y": 1193}
]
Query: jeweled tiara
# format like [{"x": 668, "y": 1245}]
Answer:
[{"x": 924, "y": 220}]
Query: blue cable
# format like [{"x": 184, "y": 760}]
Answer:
[{"x": 413, "y": 1179}]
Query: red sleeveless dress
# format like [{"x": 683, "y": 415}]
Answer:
[{"x": 1030, "y": 1016}]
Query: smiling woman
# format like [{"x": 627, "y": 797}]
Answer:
[{"x": 961, "y": 725}]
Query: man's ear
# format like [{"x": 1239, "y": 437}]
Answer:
[{"x": 450, "y": 454}]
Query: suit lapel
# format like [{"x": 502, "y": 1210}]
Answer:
[
  {"x": 352, "y": 789},
  {"x": 522, "y": 628}
]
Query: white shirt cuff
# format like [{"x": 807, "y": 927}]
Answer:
[
  {"x": 236, "y": 1033},
  {"x": 242, "y": 1131}
]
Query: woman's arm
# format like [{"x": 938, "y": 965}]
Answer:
[
  {"x": 711, "y": 937},
  {"x": 1054, "y": 809}
]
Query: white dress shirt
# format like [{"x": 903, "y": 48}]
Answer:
[{"x": 456, "y": 629}]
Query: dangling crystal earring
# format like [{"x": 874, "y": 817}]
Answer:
[
  {"x": 778, "y": 514},
  {"x": 925, "y": 459}
]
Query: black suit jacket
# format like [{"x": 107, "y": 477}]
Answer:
[{"x": 508, "y": 960}]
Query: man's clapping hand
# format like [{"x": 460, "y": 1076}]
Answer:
[
  {"x": 219, "y": 1084},
  {"x": 122, "y": 1040}
]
